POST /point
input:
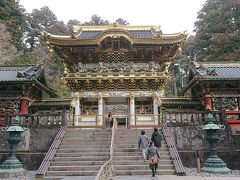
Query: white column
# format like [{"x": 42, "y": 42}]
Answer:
[
  {"x": 77, "y": 109},
  {"x": 132, "y": 111},
  {"x": 155, "y": 110},
  {"x": 100, "y": 111}
]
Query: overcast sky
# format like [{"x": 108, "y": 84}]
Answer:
[{"x": 172, "y": 15}]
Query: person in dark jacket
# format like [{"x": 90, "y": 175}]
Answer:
[
  {"x": 152, "y": 157},
  {"x": 156, "y": 138}
]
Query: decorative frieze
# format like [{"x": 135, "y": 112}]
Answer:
[
  {"x": 227, "y": 103},
  {"x": 122, "y": 94}
]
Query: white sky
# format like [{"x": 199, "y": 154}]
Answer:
[{"x": 172, "y": 15}]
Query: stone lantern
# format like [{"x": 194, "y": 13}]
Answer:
[
  {"x": 213, "y": 164},
  {"x": 12, "y": 166}
]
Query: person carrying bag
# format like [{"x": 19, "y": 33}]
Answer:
[{"x": 153, "y": 157}]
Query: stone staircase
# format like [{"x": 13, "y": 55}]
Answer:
[
  {"x": 128, "y": 158},
  {"x": 81, "y": 153}
]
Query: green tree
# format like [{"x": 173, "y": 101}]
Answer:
[
  {"x": 218, "y": 31},
  {"x": 122, "y": 21},
  {"x": 26, "y": 58},
  {"x": 70, "y": 24},
  {"x": 42, "y": 20},
  {"x": 96, "y": 20},
  {"x": 12, "y": 14}
]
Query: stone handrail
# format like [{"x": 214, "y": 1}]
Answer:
[
  {"x": 180, "y": 170},
  {"x": 51, "y": 152},
  {"x": 107, "y": 169}
]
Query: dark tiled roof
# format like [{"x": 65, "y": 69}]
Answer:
[
  {"x": 19, "y": 73},
  {"x": 212, "y": 72},
  {"x": 141, "y": 33},
  {"x": 134, "y": 33},
  {"x": 24, "y": 73},
  {"x": 180, "y": 102},
  {"x": 222, "y": 71},
  {"x": 52, "y": 103},
  {"x": 90, "y": 34}
]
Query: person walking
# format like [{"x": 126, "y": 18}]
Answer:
[
  {"x": 143, "y": 144},
  {"x": 152, "y": 157},
  {"x": 156, "y": 138}
]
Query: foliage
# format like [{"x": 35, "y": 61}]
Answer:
[
  {"x": 96, "y": 20},
  {"x": 7, "y": 50},
  {"x": 218, "y": 31},
  {"x": 70, "y": 24},
  {"x": 62, "y": 89},
  {"x": 12, "y": 14},
  {"x": 26, "y": 58},
  {"x": 122, "y": 21},
  {"x": 39, "y": 21}
]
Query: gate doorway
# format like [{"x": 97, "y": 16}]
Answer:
[
  {"x": 117, "y": 108},
  {"x": 122, "y": 121}
]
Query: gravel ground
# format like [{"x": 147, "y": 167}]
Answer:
[
  {"x": 29, "y": 175},
  {"x": 193, "y": 172}
]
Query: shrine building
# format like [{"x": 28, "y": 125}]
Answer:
[
  {"x": 20, "y": 86},
  {"x": 116, "y": 71}
]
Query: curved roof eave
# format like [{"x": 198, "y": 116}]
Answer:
[{"x": 69, "y": 41}]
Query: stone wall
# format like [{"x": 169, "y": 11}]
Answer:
[
  {"x": 32, "y": 148},
  {"x": 231, "y": 158},
  {"x": 189, "y": 139}
]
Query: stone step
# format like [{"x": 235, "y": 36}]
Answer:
[
  {"x": 82, "y": 149},
  {"x": 75, "y": 168},
  {"x": 80, "y": 154},
  {"x": 135, "y": 134},
  {"x": 86, "y": 139},
  {"x": 136, "y": 150},
  {"x": 116, "y": 158},
  {"x": 75, "y": 177},
  {"x": 144, "y": 172},
  {"x": 121, "y": 141},
  {"x": 141, "y": 167},
  {"x": 164, "y": 153},
  {"x": 85, "y": 146},
  {"x": 90, "y": 129},
  {"x": 86, "y": 143},
  {"x": 79, "y": 132},
  {"x": 141, "y": 162},
  {"x": 76, "y": 163},
  {"x": 71, "y": 173},
  {"x": 86, "y": 135},
  {"x": 102, "y": 133},
  {"x": 125, "y": 145},
  {"x": 52, "y": 177},
  {"x": 86, "y": 158}
]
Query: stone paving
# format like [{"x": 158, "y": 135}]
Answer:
[
  {"x": 203, "y": 176},
  {"x": 173, "y": 177}
]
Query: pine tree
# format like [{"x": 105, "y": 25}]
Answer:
[{"x": 218, "y": 31}]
